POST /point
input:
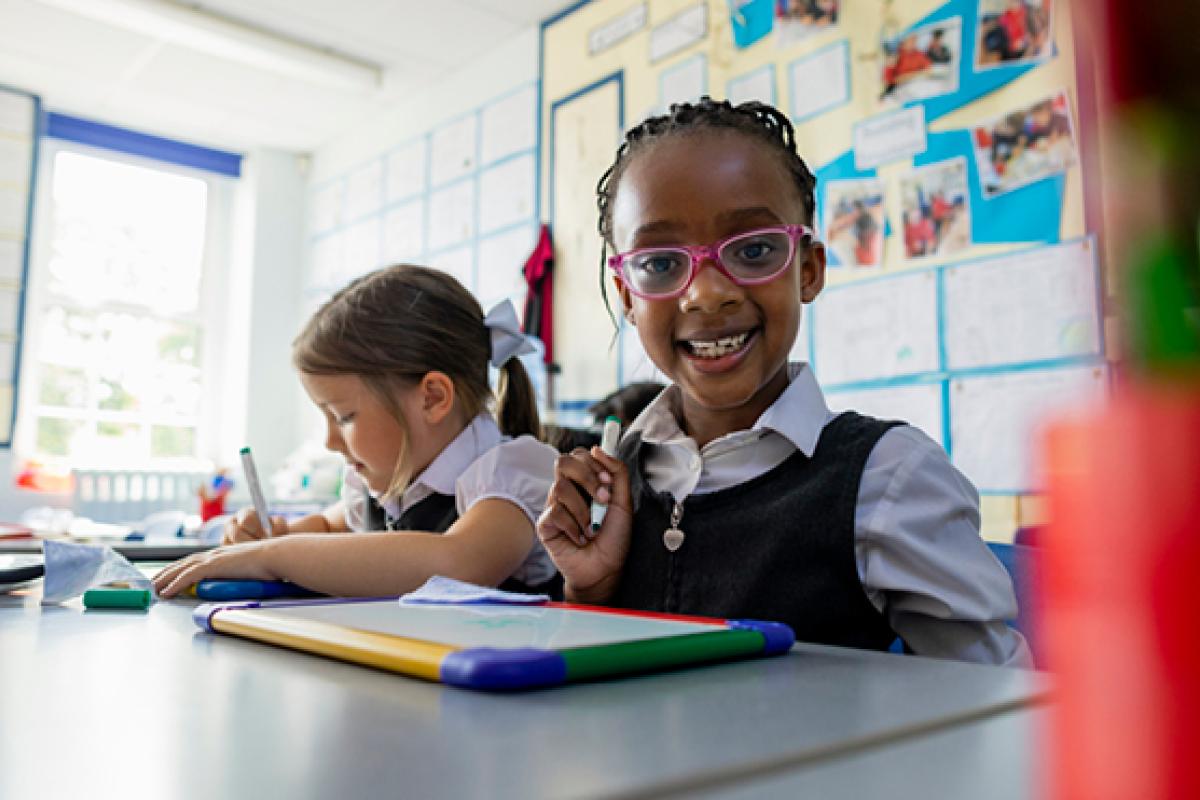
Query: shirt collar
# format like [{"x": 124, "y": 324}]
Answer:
[
  {"x": 799, "y": 414},
  {"x": 442, "y": 473}
]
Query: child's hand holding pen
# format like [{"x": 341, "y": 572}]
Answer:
[
  {"x": 253, "y": 523},
  {"x": 245, "y": 526},
  {"x": 590, "y": 560}
]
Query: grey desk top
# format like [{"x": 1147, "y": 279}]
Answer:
[
  {"x": 995, "y": 758},
  {"x": 143, "y": 703}
]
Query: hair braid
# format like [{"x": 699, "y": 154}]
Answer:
[{"x": 759, "y": 120}]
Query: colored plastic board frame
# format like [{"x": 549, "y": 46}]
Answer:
[
  {"x": 249, "y": 590},
  {"x": 494, "y": 647}
]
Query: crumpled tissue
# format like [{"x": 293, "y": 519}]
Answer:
[
  {"x": 72, "y": 569},
  {"x": 441, "y": 590}
]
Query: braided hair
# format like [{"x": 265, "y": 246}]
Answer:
[{"x": 759, "y": 120}]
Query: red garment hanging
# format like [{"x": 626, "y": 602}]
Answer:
[{"x": 539, "y": 302}]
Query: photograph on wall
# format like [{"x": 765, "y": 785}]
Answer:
[
  {"x": 1025, "y": 145},
  {"x": 922, "y": 62},
  {"x": 1013, "y": 32},
  {"x": 750, "y": 20},
  {"x": 936, "y": 210},
  {"x": 854, "y": 222},
  {"x": 796, "y": 20}
]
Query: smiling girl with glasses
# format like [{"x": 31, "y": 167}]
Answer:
[{"x": 737, "y": 493}]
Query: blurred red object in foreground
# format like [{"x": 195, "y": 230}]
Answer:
[{"x": 1122, "y": 561}]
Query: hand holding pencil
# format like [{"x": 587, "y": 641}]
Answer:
[{"x": 252, "y": 523}]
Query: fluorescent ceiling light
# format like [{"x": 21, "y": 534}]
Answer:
[{"x": 219, "y": 36}]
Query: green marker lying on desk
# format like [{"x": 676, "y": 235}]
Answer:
[{"x": 117, "y": 595}]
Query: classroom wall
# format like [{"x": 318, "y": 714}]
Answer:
[
  {"x": 267, "y": 298},
  {"x": 511, "y": 64},
  {"x": 615, "y": 61},
  {"x": 446, "y": 179}
]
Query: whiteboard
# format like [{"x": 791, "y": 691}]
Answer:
[
  {"x": 508, "y": 126},
  {"x": 452, "y": 215},
  {"x": 364, "y": 191},
  {"x": 877, "y": 329},
  {"x": 506, "y": 626},
  {"x": 995, "y": 421},
  {"x": 684, "y": 82},
  {"x": 405, "y": 171},
  {"x": 920, "y": 405},
  {"x": 506, "y": 193},
  {"x": 404, "y": 233},
  {"x": 459, "y": 262},
  {"x": 452, "y": 151},
  {"x": 757, "y": 85},
  {"x": 501, "y": 261},
  {"x": 1034, "y": 305}
]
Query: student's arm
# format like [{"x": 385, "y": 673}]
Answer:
[
  {"x": 244, "y": 525},
  {"x": 921, "y": 559},
  {"x": 484, "y": 546},
  {"x": 590, "y": 561}
]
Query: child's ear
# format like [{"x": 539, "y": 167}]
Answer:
[
  {"x": 626, "y": 299},
  {"x": 437, "y": 396},
  {"x": 812, "y": 272}
]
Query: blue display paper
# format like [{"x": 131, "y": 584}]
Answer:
[
  {"x": 1032, "y": 213},
  {"x": 971, "y": 84},
  {"x": 751, "y": 20}
]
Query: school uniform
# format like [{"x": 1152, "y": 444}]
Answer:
[
  {"x": 479, "y": 464},
  {"x": 852, "y": 530}
]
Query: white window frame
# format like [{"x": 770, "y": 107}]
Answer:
[{"x": 212, "y": 314}]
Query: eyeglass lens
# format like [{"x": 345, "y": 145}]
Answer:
[{"x": 750, "y": 257}]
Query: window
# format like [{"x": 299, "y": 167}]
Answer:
[{"x": 116, "y": 359}]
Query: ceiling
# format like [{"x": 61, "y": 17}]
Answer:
[{"x": 110, "y": 72}]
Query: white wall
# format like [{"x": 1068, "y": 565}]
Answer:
[
  {"x": 269, "y": 257},
  {"x": 512, "y": 63}
]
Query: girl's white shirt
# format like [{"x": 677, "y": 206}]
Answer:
[
  {"x": 917, "y": 547},
  {"x": 480, "y": 463}
]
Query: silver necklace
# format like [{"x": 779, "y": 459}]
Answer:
[{"x": 672, "y": 536}]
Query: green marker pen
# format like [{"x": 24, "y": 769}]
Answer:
[{"x": 115, "y": 597}]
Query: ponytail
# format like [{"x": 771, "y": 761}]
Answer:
[{"x": 516, "y": 406}]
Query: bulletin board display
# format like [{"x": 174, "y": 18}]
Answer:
[
  {"x": 19, "y": 116},
  {"x": 460, "y": 196},
  {"x": 945, "y": 137}
]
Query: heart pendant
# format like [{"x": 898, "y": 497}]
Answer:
[{"x": 673, "y": 538}]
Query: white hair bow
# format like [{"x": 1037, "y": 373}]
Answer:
[{"x": 507, "y": 338}]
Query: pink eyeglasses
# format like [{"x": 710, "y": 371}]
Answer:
[{"x": 747, "y": 259}]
